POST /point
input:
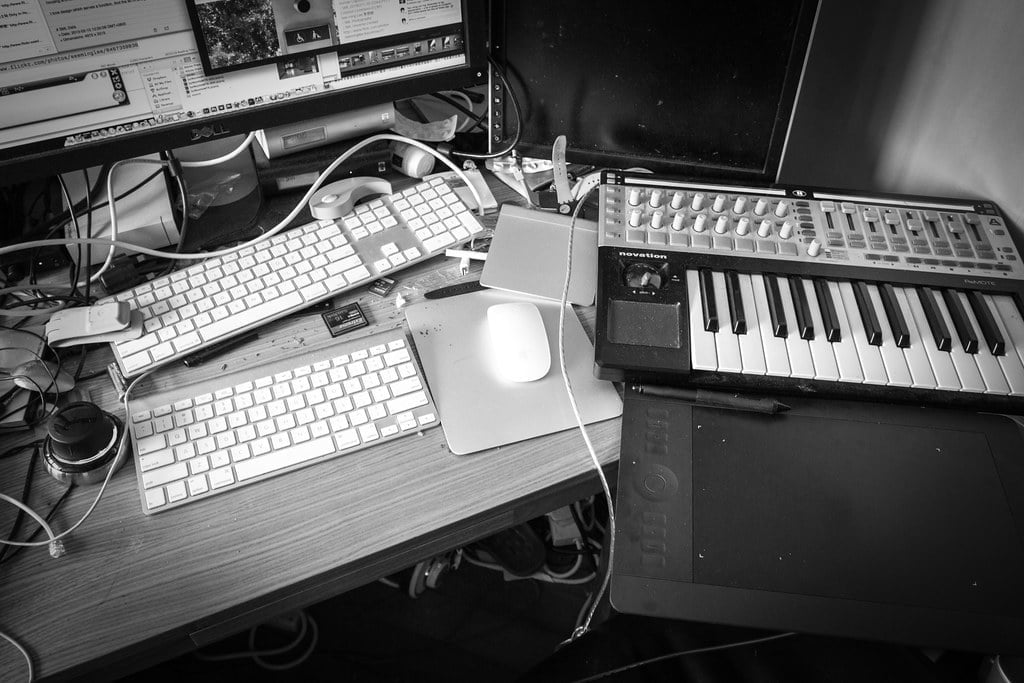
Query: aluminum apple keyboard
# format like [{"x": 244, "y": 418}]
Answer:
[
  {"x": 197, "y": 441},
  {"x": 223, "y": 296}
]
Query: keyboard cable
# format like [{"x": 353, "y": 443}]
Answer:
[{"x": 284, "y": 223}]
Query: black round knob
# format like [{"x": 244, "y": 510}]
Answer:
[
  {"x": 302, "y": 6},
  {"x": 80, "y": 431}
]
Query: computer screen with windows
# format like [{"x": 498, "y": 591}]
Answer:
[
  {"x": 87, "y": 81},
  {"x": 702, "y": 89}
]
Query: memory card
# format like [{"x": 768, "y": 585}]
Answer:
[
  {"x": 344, "y": 319},
  {"x": 382, "y": 286}
]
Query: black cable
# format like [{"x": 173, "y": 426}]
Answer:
[
  {"x": 417, "y": 111},
  {"x": 591, "y": 550},
  {"x": 88, "y": 247},
  {"x": 76, "y": 269},
  {"x": 477, "y": 119},
  {"x": 25, "y": 490},
  {"x": 518, "y": 113},
  {"x": 179, "y": 176}
]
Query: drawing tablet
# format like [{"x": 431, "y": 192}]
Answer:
[
  {"x": 478, "y": 408},
  {"x": 879, "y": 522}
]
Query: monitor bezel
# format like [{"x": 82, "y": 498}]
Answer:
[
  {"x": 21, "y": 162},
  {"x": 527, "y": 146}
]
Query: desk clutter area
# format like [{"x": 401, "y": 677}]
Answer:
[{"x": 340, "y": 344}]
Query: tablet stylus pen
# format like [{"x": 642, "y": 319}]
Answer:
[{"x": 714, "y": 399}]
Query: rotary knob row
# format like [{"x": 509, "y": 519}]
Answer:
[
  {"x": 721, "y": 227},
  {"x": 699, "y": 201}
]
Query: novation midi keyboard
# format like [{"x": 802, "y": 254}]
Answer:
[{"x": 809, "y": 291}]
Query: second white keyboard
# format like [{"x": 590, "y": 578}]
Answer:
[
  {"x": 196, "y": 441},
  {"x": 227, "y": 295}
]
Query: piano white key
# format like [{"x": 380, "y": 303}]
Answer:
[
  {"x": 870, "y": 358},
  {"x": 751, "y": 348},
  {"x": 916, "y": 355},
  {"x": 991, "y": 372},
  {"x": 776, "y": 356},
  {"x": 702, "y": 343},
  {"x": 1011, "y": 362},
  {"x": 845, "y": 349},
  {"x": 966, "y": 368},
  {"x": 941, "y": 361},
  {"x": 800, "y": 362},
  {"x": 726, "y": 342},
  {"x": 892, "y": 355},
  {"x": 825, "y": 366}
]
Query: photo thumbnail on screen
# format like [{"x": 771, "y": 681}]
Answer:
[{"x": 242, "y": 33}]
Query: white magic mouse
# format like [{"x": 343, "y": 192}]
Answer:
[{"x": 519, "y": 343}]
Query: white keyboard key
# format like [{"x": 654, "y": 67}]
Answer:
[
  {"x": 155, "y": 460},
  {"x": 727, "y": 344},
  {"x": 751, "y": 347},
  {"x": 916, "y": 354},
  {"x": 164, "y": 475},
  {"x": 176, "y": 491},
  {"x": 197, "y": 485},
  {"x": 825, "y": 365},
  {"x": 940, "y": 361},
  {"x": 847, "y": 360},
  {"x": 988, "y": 366},
  {"x": 284, "y": 457},
  {"x": 1012, "y": 361},
  {"x": 870, "y": 357},
  {"x": 892, "y": 356},
  {"x": 776, "y": 355},
  {"x": 800, "y": 361},
  {"x": 155, "y": 498},
  {"x": 703, "y": 349},
  {"x": 966, "y": 368}
]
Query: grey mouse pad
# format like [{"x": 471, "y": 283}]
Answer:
[{"x": 478, "y": 408}]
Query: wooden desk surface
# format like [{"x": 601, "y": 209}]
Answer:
[{"x": 136, "y": 589}]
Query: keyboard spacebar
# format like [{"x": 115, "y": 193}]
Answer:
[
  {"x": 257, "y": 314},
  {"x": 285, "y": 457}
]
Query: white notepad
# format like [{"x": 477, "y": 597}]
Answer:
[{"x": 479, "y": 409}]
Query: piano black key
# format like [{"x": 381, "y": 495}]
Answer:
[
  {"x": 897, "y": 323},
  {"x": 775, "y": 309},
  {"x": 872, "y": 328},
  {"x": 736, "y": 313},
  {"x": 804, "y": 322},
  {"x": 989, "y": 329},
  {"x": 829, "y": 317},
  {"x": 943, "y": 339},
  {"x": 707, "y": 301},
  {"x": 963, "y": 326}
]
